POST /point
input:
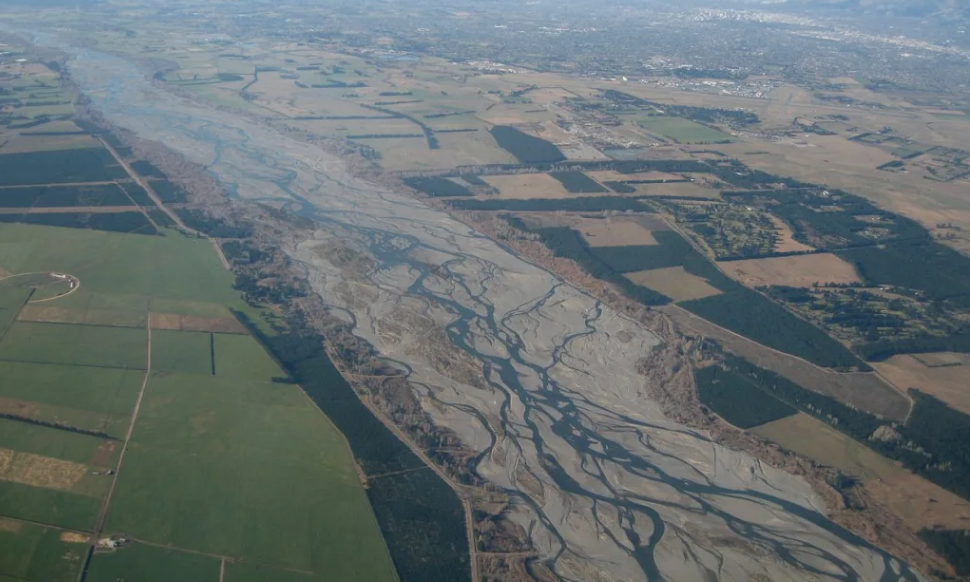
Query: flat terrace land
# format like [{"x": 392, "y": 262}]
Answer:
[
  {"x": 226, "y": 460},
  {"x": 676, "y": 189},
  {"x": 674, "y": 282},
  {"x": 614, "y": 233},
  {"x": 919, "y": 502},
  {"x": 794, "y": 271},
  {"x": 526, "y": 186},
  {"x": 614, "y": 176},
  {"x": 945, "y": 378},
  {"x": 816, "y": 440},
  {"x": 601, "y": 232}
]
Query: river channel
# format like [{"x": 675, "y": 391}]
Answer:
[{"x": 607, "y": 487}]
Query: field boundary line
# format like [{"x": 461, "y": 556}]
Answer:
[
  {"x": 161, "y": 205},
  {"x": 47, "y": 525},
  {"x": 220, "y": 556},
  {"x": 69, "y": 209},
  {"x": 58, "y": 184},
  {"x": 144, "y": 184},
  {"x": 105, "y": 504}
]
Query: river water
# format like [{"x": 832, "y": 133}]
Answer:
[{"x": 606, "y": 486}]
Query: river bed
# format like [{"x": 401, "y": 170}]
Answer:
[{"x": 609, "y": 489}]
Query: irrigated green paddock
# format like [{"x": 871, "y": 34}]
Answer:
[
  {"x": 247, "y": 469},
  {"x": 48, "y": 506},
  {"x": 47, "y": 442},
  {"x": 141, "y": 563},
  {"x": 232, "y": 465},
  {"x": 186, "y": 352},
  {"x": 240, "y": 357},
  {"x": 245, "y": 572},
  {"x": 75, "y": 345},
  {"x": 173, "y": 266},
  {"x": 683, "y": 130},
  {"x": 105, "y": 396},
  {"x": 32, "y": 552}
]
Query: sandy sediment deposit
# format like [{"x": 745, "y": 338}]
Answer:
[{"x": 525, "y": 368}]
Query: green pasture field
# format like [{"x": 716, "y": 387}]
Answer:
[
  {"x": 47, "y": 442},
  {"x": 243, "y": 572},
  {"x": 185, "y": 352},
  {"x": 12, "y": 299},
  {"x": 49, "y": 506},
  {"x": 682, "y": 130},
  {"x": 248, "y": 469},
  {"x": 33, "y": 552},
  {"x": 142, "y": 563},
  {"x": 173, "y": 266},
  {"x": 75, "y": 345},
  {"x": 232, "y": 465},
  {"x": 197, "y": 308},
  {"x": 104, "y": 393},
  {"x": 239, "y": 356}
]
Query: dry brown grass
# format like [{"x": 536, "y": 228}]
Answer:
[
  {"x": 943, "y": 359},
  {"x": 613, "y": 232},
  {"x": 105, "y": 453},
  {"x": 25, "y": 144},
  {"x": 10, "y": 525},
  {"x": 674, "y": 282},
  {"x": 70, "y": 537},
  {"x": 795, "y": 271},
  {"x": 19, "y": 407},
  {"x": 525, "y": 186},
  {"x": 38, "y": 471},
  {"x": 685, "y": 189},
  {"x": 600, "y": 232},
  {"x": 820, "y": 442},
  {"x": 115, "y": 318},
  {"x": 919, "y": 503},
  {"x": 786, "y": 241},
  {"x": 614, "y": 176},
  {"x": 166, "y": 321},
  {"x": 196, "y": 323},
  {"x": 50, "y": 314},
  {"x": 951, "y": 384},
  {"x": 6, "y": 457}
]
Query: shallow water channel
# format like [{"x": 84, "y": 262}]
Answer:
[{"x": 607, "y": 487}]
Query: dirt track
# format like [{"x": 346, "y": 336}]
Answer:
[{"x": 103, "y": 513}]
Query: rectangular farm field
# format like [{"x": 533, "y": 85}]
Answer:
[
  {"x": 64, "y": 196},
  {"x": 182, "y": 351},
  {"x": 76, "y": 345},
  {"x": 59, "y": 167},
  {"x": 109, "y": 264},
  {"x": 49, "y": 506},
  {"x": 251, "y": 470},
  {"x": 150, "y": 564},
  {"x": 34, "y": 552},
  {"x": 683, "y": 130}
]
